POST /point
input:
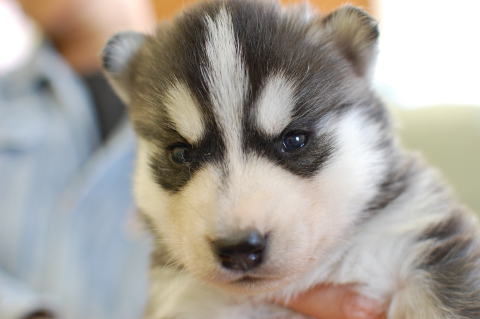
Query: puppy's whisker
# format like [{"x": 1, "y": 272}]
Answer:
[
  {"x": 196, "y": 211},
  {"x": 171, "y": 258},
  {"x": 168, "y": 241},
  {"x": 179, "y": 263},
  {"x": 336, "y": 238},
  {"x": 192, "y": 274}
]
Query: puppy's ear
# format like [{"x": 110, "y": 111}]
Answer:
[
  {"x": 117, "y": 57},
  {"x": 355, "y": 33}
]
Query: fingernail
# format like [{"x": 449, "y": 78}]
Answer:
[{"x": 363, "y": 308}]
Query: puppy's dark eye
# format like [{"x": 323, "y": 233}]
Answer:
[
  {"x": 180, "y": 154},
  {"x": 294, "y": 141}
]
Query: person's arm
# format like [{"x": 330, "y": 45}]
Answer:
[
  {"x": 18, "y": 301},
  {"x": 336, "y": 302}
]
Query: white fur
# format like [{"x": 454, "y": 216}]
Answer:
[
  {"x": 118, "y": 88},
  {"x": 274, "y": 110},
  {"x": 170, "y": 288},
  {"x": 183, "y": 110},
  {"x": 150, "y": 197},
  {"x": 227, "y": 78},
  {"x": 414, "y": 299}
]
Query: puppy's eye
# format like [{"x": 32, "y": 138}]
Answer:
[
  {"x": 294, "y": 141},
  {"x": 180, "y": 154}
]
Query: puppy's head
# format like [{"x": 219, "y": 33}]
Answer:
[{"x": 260, "y": 142}]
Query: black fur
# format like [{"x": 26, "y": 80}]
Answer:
[
  {"x": 108, "y": 54},
  {"x": 177, "y": 54},
  {"x": 266, "y": 38}
]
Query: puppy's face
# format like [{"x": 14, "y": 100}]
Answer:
[{"x": 259, "y": 140}]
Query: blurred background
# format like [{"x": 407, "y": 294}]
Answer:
[{"x": 429, "y": 57}]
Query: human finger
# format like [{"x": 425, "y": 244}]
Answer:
[{"x": 336, "y": 302}]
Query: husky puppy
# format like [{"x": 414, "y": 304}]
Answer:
[{"x": 266, "y": 165}]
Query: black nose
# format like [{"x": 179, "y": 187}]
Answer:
[{"x": 242, "y": 252}]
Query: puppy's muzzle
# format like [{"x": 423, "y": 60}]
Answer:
[{"x": 241, "y": 252}]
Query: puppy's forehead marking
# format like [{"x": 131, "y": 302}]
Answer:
[
  {"x": 275, "y": 106},
  {"x": 184, "y": 113},
  {"x": 225, "y": 76}
]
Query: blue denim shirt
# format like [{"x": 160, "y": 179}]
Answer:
[{"x": 66, "y": 210}]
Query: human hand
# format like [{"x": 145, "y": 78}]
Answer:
[{"x": 336, "y": 302}]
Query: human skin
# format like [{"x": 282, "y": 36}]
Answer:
[
  {"x": 336, "y": 302},
  {"x": 80, "y": 28}
]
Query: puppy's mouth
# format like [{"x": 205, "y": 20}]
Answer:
[
  {"x": 249, "y": 280},
  {"x": 251, "y": 284}
]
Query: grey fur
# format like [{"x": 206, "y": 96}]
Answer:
[{"x": 453, "y": 260}]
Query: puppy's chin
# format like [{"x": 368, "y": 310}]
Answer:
[
  {"x": 254, "y": 285},
  {"x": 264, "y": 280}
]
